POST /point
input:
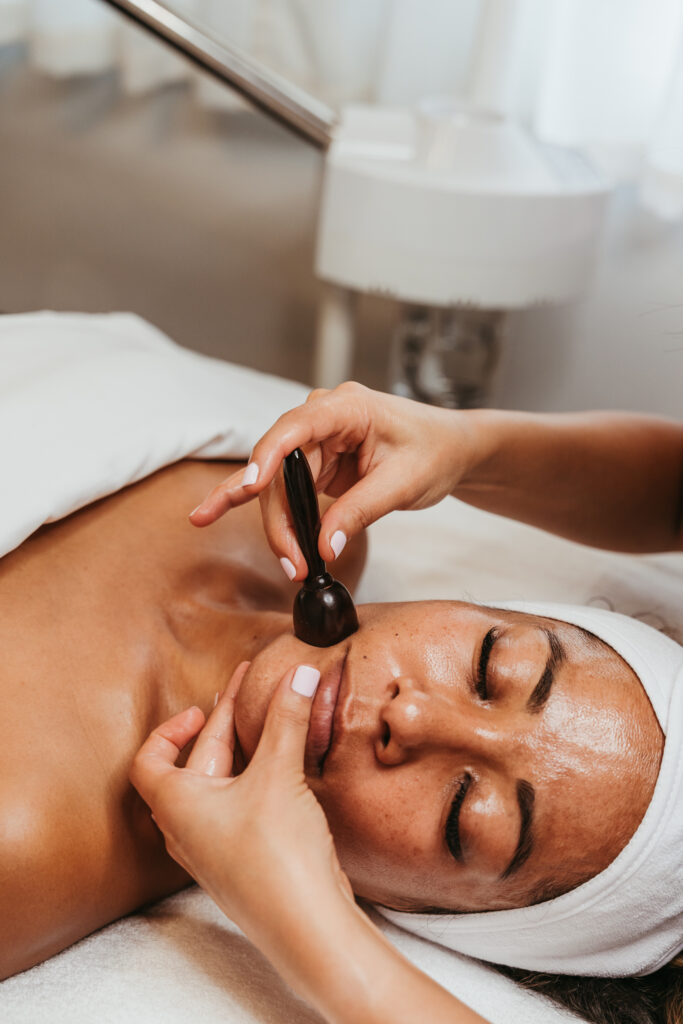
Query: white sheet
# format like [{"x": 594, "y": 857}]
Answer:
[
  {"x": 89, "y": 404},
  {"x": 181, "y": 959}
]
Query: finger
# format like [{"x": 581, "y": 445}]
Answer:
[
  {"x": 342, "y": 414},
  {"x": 317, "y": 393},
  {"x": 235, "y": 490},
  {"x": 276, "y": 513},
  {"x": 278, "y": 523},
  {"x": 288, "y": 716},
  {"x": 214, "y": 749},
  {"x": 155, "y": 760},
  {"x": 373, "y": 496},
  {"x": 279, "y": 529},
  {"x": 229, "y": 493}
]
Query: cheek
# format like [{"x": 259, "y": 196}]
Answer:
[
  {"x": 258, "y": 685},
  {"x": 382, "y": 833}
]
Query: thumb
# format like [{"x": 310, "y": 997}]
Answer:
[
  {"x": 372, "y": 497},
  {"x": 288, "y": 716},
  {"x": 155, "y": 760}
]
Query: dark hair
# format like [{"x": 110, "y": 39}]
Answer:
[{"x": 653, "y": 999}]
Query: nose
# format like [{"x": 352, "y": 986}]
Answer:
[{"x": 412, "y": 720}]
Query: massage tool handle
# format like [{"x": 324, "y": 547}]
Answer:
[{"x": 324, "y": 613}]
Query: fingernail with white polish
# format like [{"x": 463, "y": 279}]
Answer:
[
  {"x": 305, "y": 681},
  {"x": 250, "y": 474},
  {"x": 338, "y": 542},
  {"x": 288, "y": 567},
  {"x": 195, "y": 510}
]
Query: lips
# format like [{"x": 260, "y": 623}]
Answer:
[{"x": 321, "y": 728}]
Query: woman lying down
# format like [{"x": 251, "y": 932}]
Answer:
[{"x": 505, "y": 781}]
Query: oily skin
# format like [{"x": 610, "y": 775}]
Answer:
[
  {"x": 591, "y": 753},
  {"x": 113, "y": 620},
  {"x": 148, "y": 615}
]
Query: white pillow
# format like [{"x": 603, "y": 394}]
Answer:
[{"x": 92, "y": 403}]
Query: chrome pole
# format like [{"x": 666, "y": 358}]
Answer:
[{"x": 270, "y": 92}]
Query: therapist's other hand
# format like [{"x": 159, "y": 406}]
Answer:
[
  {"x": 258, "y": 842},
  {"x": 372, "y": 452}
]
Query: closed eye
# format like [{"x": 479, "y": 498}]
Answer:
[{"x": 452, "y": 831}]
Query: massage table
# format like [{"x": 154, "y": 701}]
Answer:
[{"x": 147, "y": 403}]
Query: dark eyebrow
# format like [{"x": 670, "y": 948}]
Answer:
[
  {"x": 526, "y": 796},
  {"x": 541, "y": 691}
]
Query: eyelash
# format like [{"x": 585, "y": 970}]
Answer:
[
  {"x": 452, "y": 831},
  {"x": 480, "y": 682}
]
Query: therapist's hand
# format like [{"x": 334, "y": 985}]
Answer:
[
  {"x": 260, "y": 845},
  {"x": 371, "y": 451},
  {"x": 259, "y": 842}
]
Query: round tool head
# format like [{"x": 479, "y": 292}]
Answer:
[{"x": 324, "y": 614}]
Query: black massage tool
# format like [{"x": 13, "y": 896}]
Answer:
[{"x": 324, "y": 613}]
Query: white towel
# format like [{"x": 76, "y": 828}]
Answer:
[{"x": 90, "y": 404}]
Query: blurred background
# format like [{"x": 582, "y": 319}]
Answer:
[{"x": 129, "y": 180}]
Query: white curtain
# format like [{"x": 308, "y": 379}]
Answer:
[
  {"x": 613, "y": 84},
  {"x": 603, "y": 75}
]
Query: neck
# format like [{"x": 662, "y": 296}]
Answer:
[{"x": 209, "y": 641}]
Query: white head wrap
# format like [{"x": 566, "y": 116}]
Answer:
[{"x": 627, "y": 920}]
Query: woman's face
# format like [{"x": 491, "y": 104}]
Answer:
[{"x": 468, "y": 758}]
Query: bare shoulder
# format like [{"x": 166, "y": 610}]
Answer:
[
  {"x": 59, "y": 882},
  {"x": 37, "y": 865}
]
